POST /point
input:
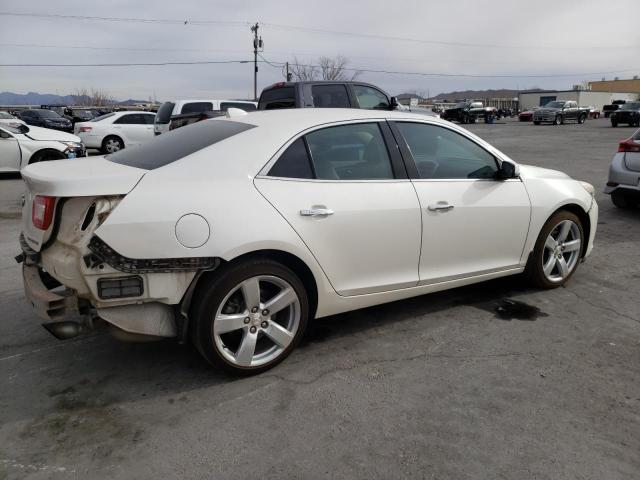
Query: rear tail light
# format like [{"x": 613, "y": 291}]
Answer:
[
  {"x": 85, "y": 129},
  {"x": 42, "y": 211},
  {"x": 629, "y": 146}
]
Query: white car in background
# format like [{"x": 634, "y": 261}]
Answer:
[
  {"x": 177, "y": 107},
  {"x": 114, "y": 131},
  {"x": 235, "y": 232},
  {"x": 10, "y": 120},
  {"x": 22, "y": 144}
]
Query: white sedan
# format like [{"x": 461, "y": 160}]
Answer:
[
  {"x": 115, "y": 131},
  {"x": 22, "y": 145},
  {"x": 235, "y": 232},
  {"x": 10, "y": 120}
]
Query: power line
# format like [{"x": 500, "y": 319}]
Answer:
[
  {"x": 236, "y": 23},
  {"x": 146, "y": 64},
  {"x": 142, "y": 49}
]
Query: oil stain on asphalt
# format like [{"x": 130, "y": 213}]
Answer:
[{"x": 508, "y": 310}]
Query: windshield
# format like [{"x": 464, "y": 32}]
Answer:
[
  {"x": 47, "y": 114},
  {"x": 6, "y": 116},
  {"x": 178, "y": 144},
  {"x": 19, "y": 128},
  {"x": 631, "y": 106},
  {"x": 555, "y": 105}
]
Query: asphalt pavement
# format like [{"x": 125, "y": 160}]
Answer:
[{"x": 491, "y": 381}]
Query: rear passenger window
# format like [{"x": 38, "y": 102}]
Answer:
[
  {"x": 330, "y": 96},
  {"x": 131, "y": 119},
  {"x": 293, "y": 163},
  {"x": 350, "y": 152},
  {"x": 196, "y": 107}
]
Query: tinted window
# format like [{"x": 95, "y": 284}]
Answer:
[
  {"x": 293, "y": 163},
  {"x": 350, "y": 152},
  {"x": 102, "y": 117},
  {"x": 164, "y": 112},
  {"x": 247, "y": 107},
  {"x": 443, "y": 153},
  {"x": 330, "y": 96},
  {"x": 281, "y": 97},
  {"x": 177, "y": 144},
  {"x": 148, "y": 118},
  {"x": 371, "y": 98},
  {"x": 631, "y": 106},
  {"x": 131, "y": 119},
  {"x": 196, "y": 107}
]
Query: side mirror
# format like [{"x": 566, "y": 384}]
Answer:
[
  {"x": 508, "y": 170},
  {"x": 394, "y": 103}
]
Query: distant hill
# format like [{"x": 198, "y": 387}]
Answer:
[{"x": 35, "y": 98}]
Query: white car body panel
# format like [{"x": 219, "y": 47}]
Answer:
[
  {"x": 17, "y": 151},
  {"x": 247, "y": 211},
  {"x": 131, "y": 134},
  {"x": 160, "y": 128}
]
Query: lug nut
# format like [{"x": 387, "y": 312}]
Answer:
[
  {"x": 265, "y": 312},
  {"x": 253, "y": 329},
  {"x": 264, "y": 324},
  {"x": 247, "y": 319},
  {"x": 254, "y": 309}
]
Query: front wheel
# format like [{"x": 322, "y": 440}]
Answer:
[
  {"x": 250, "y": 317},
  {"x": 557, "y": 120},
  {"x": 112, "y": 144},
  {"x": 557, "y": 251},
  {"x": 581, "y": 119}
]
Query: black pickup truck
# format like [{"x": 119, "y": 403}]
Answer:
[
  {"x": 559, "y": 111},
  {"x": 325, "y": 94},
  {"x": 468, "y": 112}
]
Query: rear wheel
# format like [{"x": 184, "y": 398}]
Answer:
[
  {"x": 250, "y": 317},
  {"x": 557, "y": 120},
  {"x": 112, "y": 144},
  {"x": 581, "y": 119},
  {"x": 622, "y": 200},
  {"x": 557, "y": 251}
]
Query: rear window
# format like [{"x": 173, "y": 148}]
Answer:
[
  {"x": 281, "y": 97},
  {"x": 164, "y": 112},
  {"x": 176, "y": 144},
  {"x": 102, "y": 117},
  {"x": 247, "y": 107},
  {"x": 196, "y": 107}
]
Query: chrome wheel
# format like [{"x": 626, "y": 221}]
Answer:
[
  {"x": 561, "y": 251},
  {"x": 112, "y": 145},
  {"x": 256, "y": 321}
]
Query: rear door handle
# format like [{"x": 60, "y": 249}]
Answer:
[
  {"x": 440, "y": 207},
  {"x": 316, "y": 212}
]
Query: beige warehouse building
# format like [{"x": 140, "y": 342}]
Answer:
[{"x": 598, "y": 99}]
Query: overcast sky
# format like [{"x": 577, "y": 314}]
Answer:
[{"x": 490, "y": 37}]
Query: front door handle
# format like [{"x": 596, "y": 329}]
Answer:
[
  {"x": 440, "y": 207},
  {"x": 316, "y": 212}
]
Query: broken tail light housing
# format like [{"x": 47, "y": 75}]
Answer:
[{"x": 42, "y": 211}]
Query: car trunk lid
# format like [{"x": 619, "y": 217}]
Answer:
[{"x": 63, "y": 179}]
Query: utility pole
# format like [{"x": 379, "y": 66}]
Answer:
[
  {"x": 288, "y": 74},
  {"x": 257, "y": 46}
]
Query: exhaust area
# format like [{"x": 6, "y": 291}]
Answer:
[{"x": 65, "y": 330}]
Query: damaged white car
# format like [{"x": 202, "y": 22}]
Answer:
[{"x": 235, "y": 232}]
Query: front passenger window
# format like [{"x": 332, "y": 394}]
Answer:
[{"x": 440, "y": 153}]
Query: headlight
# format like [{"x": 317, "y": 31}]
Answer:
[
  {"x": 589, "y": 188},
  {"x": 73, "y": 145}
]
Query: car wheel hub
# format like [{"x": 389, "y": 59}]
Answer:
[
  {"x": 256, "y": 321},
  {"x": 561, "y": 251}
]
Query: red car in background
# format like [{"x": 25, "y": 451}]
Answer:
[{"x": 526, "y": 116}]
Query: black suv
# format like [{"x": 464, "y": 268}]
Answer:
[
  {"x": 325, "y": 94},
  {"x": 628, "y": 113},
  {"x": 39, "y": 117}
]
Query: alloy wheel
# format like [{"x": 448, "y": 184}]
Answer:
[
  {"x": 256, "y": 321},
  {"x": 112, "y": 145},
  {"x": 561, "y": 251}
]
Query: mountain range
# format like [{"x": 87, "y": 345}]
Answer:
[{"x": 35, "y": 98}]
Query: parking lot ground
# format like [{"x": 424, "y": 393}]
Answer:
[{"x": 492, "y": 381}]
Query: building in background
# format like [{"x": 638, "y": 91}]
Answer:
[
  {"x": 619, "y": 86},
  {"x": 597, "y": 99}
]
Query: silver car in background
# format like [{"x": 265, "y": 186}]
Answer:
[{"x": 624, "y": 174}]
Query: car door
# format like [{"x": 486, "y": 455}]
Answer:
[
  {"x": 473, "y": 223},
  {"x": 346, "y": 195},
  {"x": 132, "y": 128},
  {"x": 10, "y": 154}
]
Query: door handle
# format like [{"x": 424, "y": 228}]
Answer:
[
  {"x": 440, "y": 207},
  {"x": 316, "y": 212}
]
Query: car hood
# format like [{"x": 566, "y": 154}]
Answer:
[
  {"x": 547, "y": 110},
  {"x": 529, "y": 171},
  {"x": 44, "y": 134}
]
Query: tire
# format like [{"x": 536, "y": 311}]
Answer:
[
  {"x": 614, "y": 124},
  {"x": 621, "y": 200},
  {"x": 464, "y": 120},
  {"x": 558, "y": 120},
  {"x": 581, "y": 119},
  {"x": 247, "y": 347},
  {"x": 111, "y": 144},
  {"x": 46, "y": 156},
  {"x": 536, "y": 123},
  {"x": 544, "y": 269}
]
